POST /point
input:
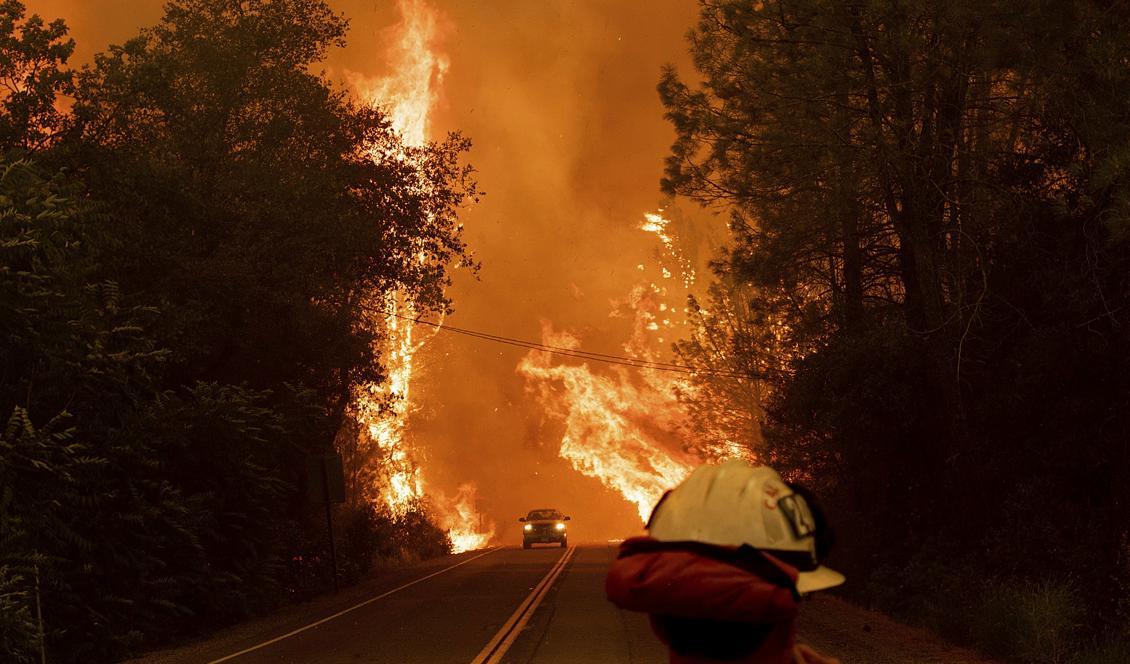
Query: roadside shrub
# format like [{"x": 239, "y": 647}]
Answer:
[
  {"x": 1115, "y": 652},
  {"x": 364, "y": 538},
  {"x": 1028, "y": 622},
  {"x": 306, "y": 571},
  {"x": 358, "y": 542},
  {"x": 411, "y": 537},
  {"x": 1112, "y": 652},
  {"x": 925, "y": 592},
  {"x": 19, "y": 636},
  {"x": 369, "y": 537}
]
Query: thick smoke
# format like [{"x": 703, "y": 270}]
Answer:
[{"x": 569, "y": 136}]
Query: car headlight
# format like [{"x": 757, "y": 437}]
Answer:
[
  {"x": 527, "y": 527},
  {"x": 560, "y": 526}
]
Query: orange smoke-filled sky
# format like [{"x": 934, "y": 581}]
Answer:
[{"x": 558, "y": 97}]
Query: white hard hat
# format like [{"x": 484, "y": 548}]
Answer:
[{"x": 734, "y": 503}]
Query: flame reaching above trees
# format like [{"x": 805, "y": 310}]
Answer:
[
  {"x": 410, "y": 94},
  {"x": 624, "y": 428},
  {"x": 408, "y": 97}
]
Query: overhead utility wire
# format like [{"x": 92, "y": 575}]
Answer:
[
  {"x": 569, "y": 352},
  {"x": 562, "y": 349},
  {"x": 572, "y": 352},
  {"x": 577, "y": 353}
]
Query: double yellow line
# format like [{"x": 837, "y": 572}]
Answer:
[{"x": 500, "y": 644}]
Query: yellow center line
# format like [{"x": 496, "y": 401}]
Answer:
[
  {"x": 501, "y": 642},
  {"x": 352, "y": 608}
]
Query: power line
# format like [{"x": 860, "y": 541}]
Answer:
[
  {"x": 558, "y": 349},
  {"x": 636, "y": 362},
  {"x": 569, "y": 352}
]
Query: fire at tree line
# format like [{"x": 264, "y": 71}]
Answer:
[{"x": 926, "y": 279}]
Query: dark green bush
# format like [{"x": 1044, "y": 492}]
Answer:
[
  {"x": 365, "y": 538},
  {"x": 1028, "y": 622},
  {"x": 1110, "y": 652},
  {"x": 19, "y": 632},
  {"x": 413, "y": 536}
]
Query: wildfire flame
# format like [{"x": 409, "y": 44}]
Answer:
[
  {"x": 625, "y": 427},
  {"x": 615, "y": 425},
  {"x": 465, "y": 527},
  {"x": 408, "y": 97},
  {"x": 410, "y": 94},
  {"x": 403, "y": 485}
]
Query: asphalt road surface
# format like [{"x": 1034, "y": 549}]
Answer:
[
  {"x": 544, "y": 605},
  {"x": 504, "y": 605}
]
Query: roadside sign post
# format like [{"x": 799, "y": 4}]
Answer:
[
  {"x": 329, "y": 522},
  {"x": 325, "y": 480},
  {"x": 39, "y": 618}
]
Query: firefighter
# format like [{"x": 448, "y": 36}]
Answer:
[{"x": 728, "y": 554}]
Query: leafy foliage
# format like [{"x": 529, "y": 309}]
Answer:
[
  {"x": 257, "y": 205},
  {"x": 19, "y": 634},
  {"x": 186, "y": 273},
  {"x": 33, "y": 57},
  {"x": 34, "y": 525}
]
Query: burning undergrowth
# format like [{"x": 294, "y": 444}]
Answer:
[
  {"x": 624, "y": 426},
  {"x": 617, "y": 428}
]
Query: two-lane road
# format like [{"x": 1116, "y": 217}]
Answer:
[
  {"x": 505, "y": 605},
  {"x": 544, "y": 605}
]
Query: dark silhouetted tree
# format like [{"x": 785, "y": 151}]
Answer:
[
  {"x": 33, "y": 74},
  {"x": 930, "y": 199},
  {"x": 187, "y": 283}
]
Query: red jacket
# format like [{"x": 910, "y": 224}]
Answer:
[{"x": 700, "y": 581}]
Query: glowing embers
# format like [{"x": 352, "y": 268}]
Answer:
[
  {"x": 656, "y": 223},
  {"x": 627, "y": 427}
]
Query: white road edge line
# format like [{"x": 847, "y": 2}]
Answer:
[
  {"x": 352, "y": 608},
  {"x": 505, "y": 637}
]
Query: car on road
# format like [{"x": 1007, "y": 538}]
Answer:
[{"x": 544, "y": 526}]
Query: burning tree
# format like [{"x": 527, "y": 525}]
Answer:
[
  {"x": 928, "y": 201},
  {"x": 386, "y": 465},
  {"x": 210, "y": 268},
  {"x": 636, "y": 428}
]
